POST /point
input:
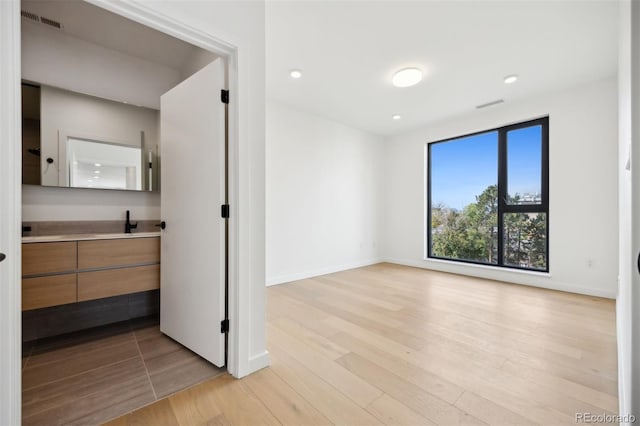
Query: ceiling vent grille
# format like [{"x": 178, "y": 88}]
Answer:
[
  {"x": 41, "y": 19},
  {"x": 30, "y": 16},
  {"x": 492, "y": 103},
  {"x": 51, "y": 22}
]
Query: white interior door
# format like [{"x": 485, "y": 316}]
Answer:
[{"x": 192, "y": 292}]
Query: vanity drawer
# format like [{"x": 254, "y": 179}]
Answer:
[
  {"x": 54, "y": 290},
  {"x": 114, "y": 282},
  {"x": 121, "y": 252},
  {"x": 46, "y": 258}
]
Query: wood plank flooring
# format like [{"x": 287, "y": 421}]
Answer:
[
  {"x": 389, "y": 344},
  {"x": 89, "y": 377}
]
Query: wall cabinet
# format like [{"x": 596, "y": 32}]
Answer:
[{"x": 57, "y": 273}]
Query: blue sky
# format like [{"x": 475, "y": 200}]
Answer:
[{"x": 463, "y": 168}]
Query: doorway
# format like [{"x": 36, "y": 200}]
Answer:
[{"x": 138, "y": 14}]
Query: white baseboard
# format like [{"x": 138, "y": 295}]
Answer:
[
  {"x": 321, "y": 271},
  {"x": 532, "y": 279},
  {"x": 257, "y": 362}
]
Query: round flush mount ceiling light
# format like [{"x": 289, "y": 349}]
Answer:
[
  {"x": 396, "y": 116},
  {"x": 407, "y": 77},
  {"x": 511, "y": 79},
  {"x": 295, "y": 74}
]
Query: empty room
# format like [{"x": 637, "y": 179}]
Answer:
[{"x": 319, "y": 212}]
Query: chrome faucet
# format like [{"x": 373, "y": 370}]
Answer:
[{"x": 128, "y": 226}]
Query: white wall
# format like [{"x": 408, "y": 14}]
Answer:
[
  {"x": 198, "y": 59},
  {"x": 58, "y": 59},
  {"x": 583, "y": 174},
  {"x": 324, "y": 195},
  {"x": 49, "y": 204}
]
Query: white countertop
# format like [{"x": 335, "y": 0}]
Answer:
[{"x": 86, "y": 237}]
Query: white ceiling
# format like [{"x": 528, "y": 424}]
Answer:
[
  {"x": 94, "y": 24},
  {"x": 348, "y": 51}
]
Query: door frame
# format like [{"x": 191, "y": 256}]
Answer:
[
  {"x": 239, "y": 359},
  {"x": 10, "y": 214}
]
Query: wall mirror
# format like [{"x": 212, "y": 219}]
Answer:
[{"x": 80, "y": 141}]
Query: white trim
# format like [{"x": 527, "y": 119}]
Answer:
[
  {"x": 509, "y": 276},
  {"x": 10, "y": 214},
  {"x": 623, "y": 371},
  {"x": 231, "y": 50},
  {"x": 258, "y": 362},
  {"x": 282, "y": 279}
]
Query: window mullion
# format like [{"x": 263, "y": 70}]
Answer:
[{"x": 502, "y": 191}]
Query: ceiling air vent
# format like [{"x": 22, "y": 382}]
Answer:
[
  {"x": 31, "y": 16},
  {"x": 492, "y": 103},
  {"x": 51, "y": 22},
  {"x": 41, "y": 19}
]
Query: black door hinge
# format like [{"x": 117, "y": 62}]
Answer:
[
  {"x": 224, "y": 211},
  {"x": 224, "y": 96},
  {"x": 224, "y": 326}
]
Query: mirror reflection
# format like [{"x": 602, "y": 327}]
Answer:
[
  {"x": 80, "y": 141},
  {"x": 95, "y": 164}
]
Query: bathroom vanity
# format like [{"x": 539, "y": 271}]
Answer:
[{"x": 63, "y": 269}]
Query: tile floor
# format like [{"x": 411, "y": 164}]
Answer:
[{"x": 93, "y": 376}]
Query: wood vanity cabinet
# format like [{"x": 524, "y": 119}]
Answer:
[
  {"x": 122, "y": 252},
  {"x": 42, "y": 292},
  {"x": 40, "y": 287},
  {"x": 47, "y": 258},
  {"x": 123, "y": 255},
  {"x": 57, "y": 273}
]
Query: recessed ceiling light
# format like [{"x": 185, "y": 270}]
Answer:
[
  {"x": 90, "y": 181},
  {"x": 511, "y": 79},
  {"x": 396, "y": 117},
  {"x": 96, "y": 171},
  {"x": 407, "y": 77},
  {"x": 97, "y": 164},
  {"x": 295, "y": 73}
]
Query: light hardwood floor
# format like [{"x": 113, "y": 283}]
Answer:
[{"x": 389, "y": 344}]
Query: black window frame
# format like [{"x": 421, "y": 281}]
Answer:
[{"x": 502, "y": 183}]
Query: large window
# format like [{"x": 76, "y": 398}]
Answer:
[{"x": 488, "y": 197}]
